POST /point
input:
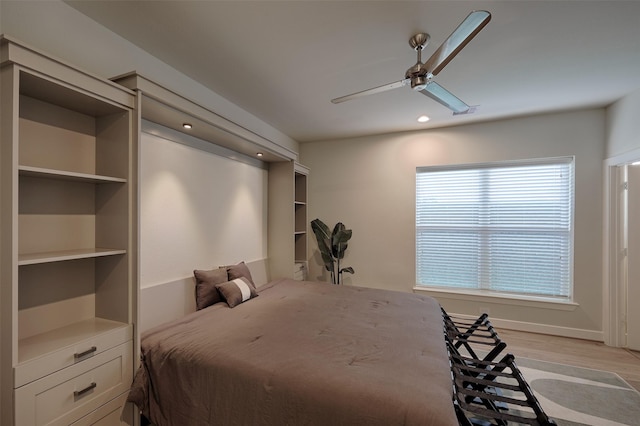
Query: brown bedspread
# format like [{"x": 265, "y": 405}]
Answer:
[{"x": 301, "y": 353}]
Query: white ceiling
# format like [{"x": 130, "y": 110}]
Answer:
[{"x": 283, "y": 61}]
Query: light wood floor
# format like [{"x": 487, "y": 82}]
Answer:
[{"x": 576, "y": 352}]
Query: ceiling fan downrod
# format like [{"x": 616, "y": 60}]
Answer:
[{"x": 419, "y": 79}]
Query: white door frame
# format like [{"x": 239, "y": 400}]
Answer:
[{"x": 614, "y": 290}]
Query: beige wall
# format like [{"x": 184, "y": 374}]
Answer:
[
  {"x": 623, "y": 125},
  {"x": 198, "y": 210},
  {"x": 368, "y": 183}
]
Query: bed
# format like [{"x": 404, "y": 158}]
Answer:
[{"x": 300, "y": 353}]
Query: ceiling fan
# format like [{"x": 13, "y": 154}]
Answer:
[{"x": 420, "y": 76}]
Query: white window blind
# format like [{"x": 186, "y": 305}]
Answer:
[{"x": 497, "y": 227}]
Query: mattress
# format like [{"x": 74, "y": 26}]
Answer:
[{"x": 301, "y": 353}]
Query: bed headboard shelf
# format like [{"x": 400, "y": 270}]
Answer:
[{"x": 174, "y": 299}]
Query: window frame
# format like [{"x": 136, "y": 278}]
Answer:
[{"x": 479, "y": 288}]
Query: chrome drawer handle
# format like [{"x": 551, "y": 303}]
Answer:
[
  {"x": 77, "y": 356},
  {"x": 79, "y": 393}
]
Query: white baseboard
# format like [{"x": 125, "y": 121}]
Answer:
[{"x": 554, "y": 330}]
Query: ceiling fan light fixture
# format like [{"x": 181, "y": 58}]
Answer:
[
  {"x": 423, "y": 119},
  {"x": 419, "y": 82}
]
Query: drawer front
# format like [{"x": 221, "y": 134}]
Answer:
[
  {"x": 29, "y": 371},
  {"x": 114, "y": 413},
  {"x": 71, "y": 393}
]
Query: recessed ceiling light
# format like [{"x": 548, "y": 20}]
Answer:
[
  {"x": 259, "y": 154},
  {"x": 187, "y": 125},
  {"x": 423, "y": 119}
]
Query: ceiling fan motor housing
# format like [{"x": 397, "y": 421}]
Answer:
[
  {"x": 419, "y": 82},
  {"x": 418, "y": 76}
]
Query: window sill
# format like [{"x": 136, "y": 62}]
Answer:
[{"x": 501, "y": 298}]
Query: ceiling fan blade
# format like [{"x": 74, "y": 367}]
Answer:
[
  {"x": 378, "y": 89},
  {"x": 446, "y": 98},
  {"x": 458, "y": 39}
]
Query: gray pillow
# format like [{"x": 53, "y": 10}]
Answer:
[
  {"x": 239, "y": 271},
  {"x": 206, "y": 292},
  {"x": 237, "y": 291}
]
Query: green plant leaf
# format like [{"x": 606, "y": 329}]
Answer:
[
  {"x": 339, "y": 238},
  {"x": 323, "y": 236},
  {"x": 348, "y": 269}
]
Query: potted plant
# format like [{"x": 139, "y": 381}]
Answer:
[{"x": 332, "y": 245}]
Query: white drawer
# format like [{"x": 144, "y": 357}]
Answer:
[
  {"x": 114, "y": 413},
  {"x": 69, "y": 394},
  {"x": 99, "y": 336}
]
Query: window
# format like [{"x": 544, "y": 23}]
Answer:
[{"x": 505, "y": 227}]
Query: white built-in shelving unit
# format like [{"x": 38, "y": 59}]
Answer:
[
  {"x": 67, "y": 179},
  {"x": 288, "y": 224}
]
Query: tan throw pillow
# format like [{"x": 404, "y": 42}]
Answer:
[
  {"x": 206, "y": 292},
  {"x": 237, "y": 291}
]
